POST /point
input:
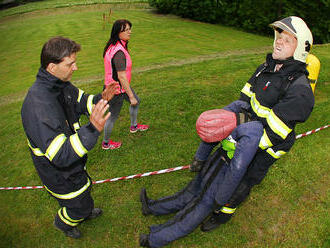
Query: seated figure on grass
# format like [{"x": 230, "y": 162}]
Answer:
[{"x": 277, "y": 97}]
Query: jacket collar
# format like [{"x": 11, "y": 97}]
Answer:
[
  {"x": 50, "y": 81},
  {"x": 290, "y": 65}
]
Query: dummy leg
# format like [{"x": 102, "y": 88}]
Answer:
[
  {"x": 187, "y": 219},
  {"x": 179, "y": 200}
]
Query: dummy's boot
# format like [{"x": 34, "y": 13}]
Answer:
[
  {"x": 144, "y": 201},
  {"x": 96, "y": 212},
  {"x": 217, "y": 218},
  {"x": 196, "y": 165},
  {"x": 144, "y": 240},
  {"x": 72, "y": 232}
]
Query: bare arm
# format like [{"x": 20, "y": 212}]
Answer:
[{"x": 124, "y": 82}]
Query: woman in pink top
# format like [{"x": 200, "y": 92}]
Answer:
[{"x": 118, "y": 69}]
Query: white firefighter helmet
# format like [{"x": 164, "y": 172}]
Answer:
[{"x": 297, "y": 27}]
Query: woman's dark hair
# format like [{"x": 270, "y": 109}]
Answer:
[
  {"x": 56, "y": 49},
  {"x": 118, "y": 26}
]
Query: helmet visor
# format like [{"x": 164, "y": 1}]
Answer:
[{"x": 286, "y": 25}]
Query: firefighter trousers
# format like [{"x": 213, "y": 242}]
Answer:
[{"x": 74, "y": 210}]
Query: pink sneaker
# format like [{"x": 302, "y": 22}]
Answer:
[
  {"x": 138, "y": 127},
  {"x": 110, "y": 145}
]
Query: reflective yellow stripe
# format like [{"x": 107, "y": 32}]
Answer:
[
  {"x": 265, "y": 141},
  {"x": 77, "y": 145},
  {"x": 247, "y": 90},
  {"x": 76, "y": 126},
  {"x": 277, "y": 125},
  {"x": 81, "y": 92},
  {"x": 65, "y": 213},
  {"x": 226, "y": 210},
  {"x": 273, "y": 121},
  {"x": 65, "y": 220},
  {"x": 90, "y": 103},
  {"x": 275, "y": 155},
  {"x": 36, "y": 151},
  {"x": 260, "y": 110},
  {"x": 72, "y": 194},
  {"x": 55, "y": 146}
]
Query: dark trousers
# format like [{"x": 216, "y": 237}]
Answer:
[
  {"x": 115, "y": 106},
  {"x": 257, "y": 170},
  {"x": 73, "y": 211},
  {"x": 192, "y": 204}
]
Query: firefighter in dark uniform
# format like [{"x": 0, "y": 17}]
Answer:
[
  {"x": 284, "y": 81},
  {"x": 279, "y": 96},
  {"x": 58, "y": 144}
]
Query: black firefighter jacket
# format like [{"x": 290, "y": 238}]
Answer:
[
  {"x": 280, "y": 100},
  {"x": 59, "y": 146}
]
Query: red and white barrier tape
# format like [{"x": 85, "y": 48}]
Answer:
[
  {"x": 312, "y": 131},
  {"x": 110, "y": 180},
  {"x": 24, "y": 187},
  {"x": 142, "y": 175},
  {"x": 149, "y": 173}
]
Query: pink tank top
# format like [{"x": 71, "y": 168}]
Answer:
[{"x": 108, "y": 79}]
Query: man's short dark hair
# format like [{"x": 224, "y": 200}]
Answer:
[{"x": 56, "y": 49}]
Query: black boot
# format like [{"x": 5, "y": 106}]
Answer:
[
  {"x": 144, "y": 240},
  {"x": 72, "y": 232},
  {"x": 196, "y": 165},
  {"x": 96, "y": 212},
  {"x": 215, "y": 220},
  {"x": 144, "y": 201}
]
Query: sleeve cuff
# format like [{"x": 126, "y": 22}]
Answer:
[{"x": 92, "y": 128}]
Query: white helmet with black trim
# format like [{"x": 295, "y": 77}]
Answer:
[{"x": 297, "y": 27}]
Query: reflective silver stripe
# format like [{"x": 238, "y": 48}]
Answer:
[
  {"x": 65, "y": 220},
  {"x": 90, "y": 103},
  {"x": 265, "y": 141},
  {"x": 76, "y": 126},
  {"x": 36, "y": 151},
  {"x": 55, "y": 146},
  {"x": 275, "y": 155},
  {"x": 72, "y": 194},
  {"x": 277, "y": 125},
  {"x": 65, "y": 213},
  {"x": 247, "y": 90},
  {"x": 77, "y": 145},
  {"x": 81, "y": 92},
  {"x": 227, "y": 210}
]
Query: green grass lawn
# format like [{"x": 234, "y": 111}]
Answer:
[{"x": 199, "y": 68}]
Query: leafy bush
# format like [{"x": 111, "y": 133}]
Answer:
[
  {"x": 163, "y": 7},
  {"x": 251, "y": 15},
  {"x": 195, "y": 9}
]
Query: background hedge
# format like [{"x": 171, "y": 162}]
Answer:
[{"x": 251, "y": 15}]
